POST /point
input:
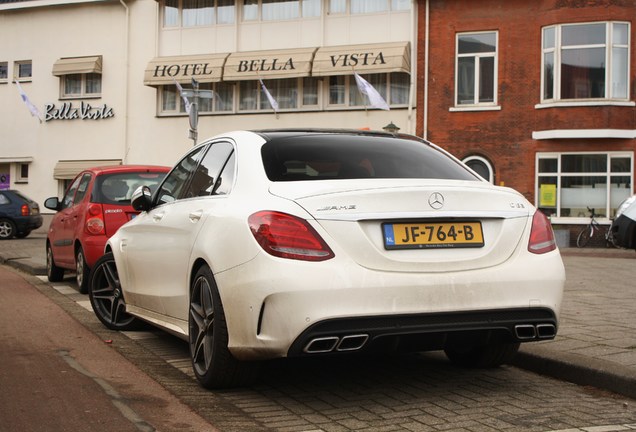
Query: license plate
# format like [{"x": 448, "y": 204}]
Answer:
[{"x": 429, "y": 235}]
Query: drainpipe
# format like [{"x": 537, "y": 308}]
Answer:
[
  {"x": 426, "y": 55},
  {"x": 412, "y": 93},
  {"x": 126, "y": 80}
]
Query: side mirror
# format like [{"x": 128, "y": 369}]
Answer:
[
  {"x": 52, "y": 203},
  {"x": 141, "y": 199}
]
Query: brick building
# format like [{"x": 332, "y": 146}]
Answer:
[{"x": 536, "y": 95}]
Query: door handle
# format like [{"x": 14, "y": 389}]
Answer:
[
  {"x": 195, "y": 216},
  {"x": 157, "y": 216}
]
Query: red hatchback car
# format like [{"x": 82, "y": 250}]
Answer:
[{"x": 95, "y": 205}]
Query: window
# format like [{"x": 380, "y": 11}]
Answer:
[
  {"x": 280, "y": 10},
  {"x": 481, "y": 166},
  {"x": 222, "y": 99},
  {"x": 321, "y": 157},
  {"x": 212, "y": 176},
  {"x": 23, "y": 70},
  {"x": 568, "y": 183},
  {"x": 4, "y": 71},
  {"x": 22, "y": 173},
  {"x": 174, "y": 184},
  {"x": 290, "y": 94},
  {"x": 476, "y": 69},
  {"x": 367, "y": 6},
  {"x": 393, "y": 87},
  {"x": 585, "y": 61},
  {"x": 197, "y": 13},
  {"x": 76, "y": 86}
]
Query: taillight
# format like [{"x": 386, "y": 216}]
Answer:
[
  {"x": 95, "y": 220},
  {"x": 24, "y": 210},
  {"x": 288, "y": 236},
  {"x": 541, "y": 236}
]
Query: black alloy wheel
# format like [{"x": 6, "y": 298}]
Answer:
[
  {"x": 213, "y": 364},
  {"x": 106, "y": 296}
]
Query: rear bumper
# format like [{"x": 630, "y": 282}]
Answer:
[
  {"x": 425, "y": 331},
  {"x": 28, "y": 223},
  {"x": 93, "y": 249},
  {"x": 276, "y": 308}
]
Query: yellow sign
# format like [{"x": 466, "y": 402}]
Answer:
[{"x": 547, "y": 196}]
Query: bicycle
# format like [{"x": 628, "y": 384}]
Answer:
[{"x": 589, "y": 230}]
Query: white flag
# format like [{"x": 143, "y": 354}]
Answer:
[
  {"x": 34, "y": 110},
  {"x": 186, "y": 102},
  {"x": 271, "y": 99},
  {"x": 367, "y": 89}
]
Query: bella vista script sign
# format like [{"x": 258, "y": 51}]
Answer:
[{"x": 85, "y": 111}]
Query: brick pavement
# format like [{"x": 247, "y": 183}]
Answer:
[{"x": 596, "y": 343}]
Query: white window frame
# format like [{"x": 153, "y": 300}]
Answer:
[
  {"x": 477, "y": 78},
  {"x": 321, "y": 97},
  {"x": 17, "y": 73},
  {"x": 343, "y": 7},
  {"x": 349, "y": 84},
  {"x": 584, "y": 217},
  {"x": 179, "y": 108},
  {"x": 83, "y": 94},
  {"x": 179, "y": 16},
  {"x": 260, "y": 16},
  {"x": 556, "y": 50},
  {"x": 19, "y": 178}
]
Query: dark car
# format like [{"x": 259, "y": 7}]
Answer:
[
  {"x": 19, "y": 215},
  {"x": 95, "y": 205},
  {"x": 624, "y": 225}
]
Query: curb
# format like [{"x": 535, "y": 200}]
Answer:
[
  {"x": 578, "y": 369},
  {"x": 25, "y": 265}
]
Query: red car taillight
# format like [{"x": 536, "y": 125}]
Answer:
[
  {"x": 541, "y": 236},
  {"x": 95, "y": 220},
  {"x": 24, "y": 210},
  {"x": 288, "y": 236}
]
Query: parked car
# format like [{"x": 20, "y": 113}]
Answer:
[
  {"x": 95, "y": 205},
  {"x": 624, "y": 224},
  {"x": 266, "y": 244},
  {"x": 19, "y": 215}
]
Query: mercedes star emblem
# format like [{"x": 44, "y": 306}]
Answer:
[{"x": 436, "y": 200}]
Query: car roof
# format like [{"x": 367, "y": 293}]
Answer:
[
  {"x": 269, "y": 134},
  {"x": 111, "y": 169}
]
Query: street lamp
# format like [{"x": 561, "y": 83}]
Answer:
[{"x": 391, "y": 128}]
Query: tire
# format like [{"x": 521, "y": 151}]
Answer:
[
  {"x": 81, "y": 270},
  {"x": 22, "y": 234},
  {"x": 213, "y": 364},
  {"x": 7, "y": 229},
  {"x": 584, "y": 237},
  {"x": 485, "y": 356},
  {"x": 106, "y": 296},
  {"x": 53, "y": 272}
]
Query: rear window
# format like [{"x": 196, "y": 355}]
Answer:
[
  {"x": 118, "y": 188},
  {"x": 335, "y": 157}
]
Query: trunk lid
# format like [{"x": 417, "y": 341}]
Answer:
[{"x": 360, "y": 217}]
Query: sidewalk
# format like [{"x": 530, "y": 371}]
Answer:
[{"x": 596, "y": 341}]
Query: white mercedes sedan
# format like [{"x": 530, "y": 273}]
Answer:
[{"x": 281, "y": 243}]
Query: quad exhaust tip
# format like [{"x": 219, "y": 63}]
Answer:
[
  {"x": 336, "y": 343},
  {"x": 532, "y": 331}
]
